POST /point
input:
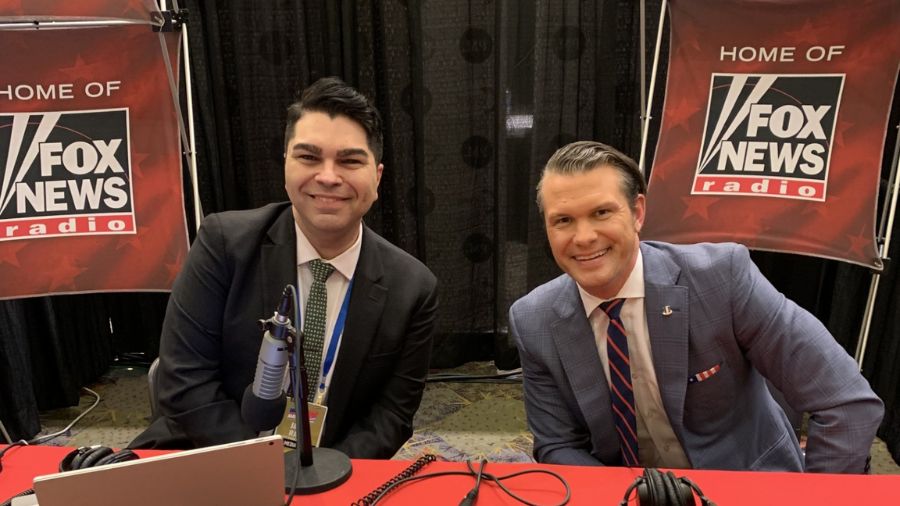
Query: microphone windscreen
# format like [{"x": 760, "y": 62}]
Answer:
[{"x": 262, "y": 414}]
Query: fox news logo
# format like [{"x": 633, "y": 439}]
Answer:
[
  {"x": 65, "y": 173},
  {"x": 768, "y": 135}
]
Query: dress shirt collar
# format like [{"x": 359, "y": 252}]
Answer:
[
  {"x": 633, "y": 288},
  {"x": 345, "y": 263}
]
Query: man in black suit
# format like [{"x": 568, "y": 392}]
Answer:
[{"x": 242, "y": 260}]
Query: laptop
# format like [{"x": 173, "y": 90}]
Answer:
[{"x": 244, "y": 473}]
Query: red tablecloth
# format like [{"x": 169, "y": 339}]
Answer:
[{"x": 590, "y": 485}]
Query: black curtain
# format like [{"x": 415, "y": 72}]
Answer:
[
  {"x": 476, "y": 95},
  {"x": 51, "y": 346}
]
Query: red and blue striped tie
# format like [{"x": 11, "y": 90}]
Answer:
[{"x": 621, "y": 391}]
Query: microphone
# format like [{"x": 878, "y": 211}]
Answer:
[
  {"x": 264, "y": 401},
  {"x": 307, "y": 469}
]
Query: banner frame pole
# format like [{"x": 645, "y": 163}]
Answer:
[
  {"x": 38, "y": 24},
  {"x": 646, "y": 118},
  {"x": 643, "y": 62},
  {"x": 192, "y": 139},
  {"x": 886, "y": 226},
  {"x": 187, "y": 133},
  {"x": 887, "y": 214}
]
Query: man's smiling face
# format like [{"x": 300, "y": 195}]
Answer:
[
  {"x": 330, "y": 176},
  {"x": 592, "y": 229}
]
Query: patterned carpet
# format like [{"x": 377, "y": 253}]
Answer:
[
  {"x": 461, "y": 421},
  {"x": 457, "y": 420}
]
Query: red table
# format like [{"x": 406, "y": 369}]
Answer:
[{"x": 590, "y": 485}]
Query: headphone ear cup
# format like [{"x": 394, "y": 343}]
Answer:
[
  {"x": 658, "y": 489},
  {"x": 694, "y": 488},
  {"x": 115, "y": 458},
  {"x": 68, "y": 462},
  {"x": 93, "y": 456},
  {"x": 653, "y": 495},
  {"x": 91, "y": 459},
  {"x": 679, "y": 490},
  {"x": 669, "y": 485},
  {"x": 684, "y": 490},
  {"x": 87, "y": 455}
]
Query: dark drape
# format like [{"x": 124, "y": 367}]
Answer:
[
  {"x": 476, "y": 95},
  {"x": 51, "y": 346}
]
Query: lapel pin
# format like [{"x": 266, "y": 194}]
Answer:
[{"x": 667, "y": 311}]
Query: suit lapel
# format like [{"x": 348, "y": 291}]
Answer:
[
  {"x": 668, "y": 332},
  {"x": 367, "y": 301},
  {"x": 278, "y": 261},
  {"x": 580, "y": 360}
]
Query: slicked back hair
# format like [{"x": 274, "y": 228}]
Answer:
[
  {"x": 583, "y": 156},
  {"x": 334, "y": 97}
]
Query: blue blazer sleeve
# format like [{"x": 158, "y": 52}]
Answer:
[
  {"x": 561, "y": 436},
  {"x": 792, "y": 348}
]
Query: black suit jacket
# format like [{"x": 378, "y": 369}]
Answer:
[{"x": 234, "y": 275}]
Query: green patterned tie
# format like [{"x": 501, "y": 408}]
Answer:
[{"x": 314, "y": 324}]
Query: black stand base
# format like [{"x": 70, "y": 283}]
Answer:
[{"x": 330, "y": 468}]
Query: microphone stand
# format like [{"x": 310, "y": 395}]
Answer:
[{"x": 309, "y": 469}]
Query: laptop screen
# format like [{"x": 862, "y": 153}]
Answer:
[{"x": 242, "y": 473}]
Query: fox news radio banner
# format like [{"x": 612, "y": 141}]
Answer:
[
  {"x": 90, "y": 168},
  {"x": 774, "y": 124}
]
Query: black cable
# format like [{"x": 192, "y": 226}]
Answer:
[
  {"x": 510, "y": 376},
  {"x": 486, "y": 476},
  {"x": 411, "y": 470},
  {"x": 494, "y": 381},
  {"x": 132, "y": 359},
  {"x": 499, "y": 479},
  {"x": 397, "y": 483},
  {"x": 469, "y": 499}
]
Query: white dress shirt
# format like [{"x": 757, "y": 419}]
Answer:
[{"x": 657, "y": 444}]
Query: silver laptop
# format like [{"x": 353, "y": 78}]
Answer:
[{"x": 245, "y": 473}]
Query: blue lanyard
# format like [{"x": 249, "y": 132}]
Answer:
[{"x": 335, "y": 337}]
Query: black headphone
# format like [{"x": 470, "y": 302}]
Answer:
[
  {"x": 93, "y": 456},
  {"x": 657, "y": 489}
]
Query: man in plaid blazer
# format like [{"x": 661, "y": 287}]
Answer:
[{"x": 705, "y": 330}]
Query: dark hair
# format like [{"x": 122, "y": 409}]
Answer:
[
  {"x": 583, "y": 156},
  {"x": 334, "y": 97}
]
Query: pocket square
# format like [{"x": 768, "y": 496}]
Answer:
[{"x": 705, "y": 375}]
